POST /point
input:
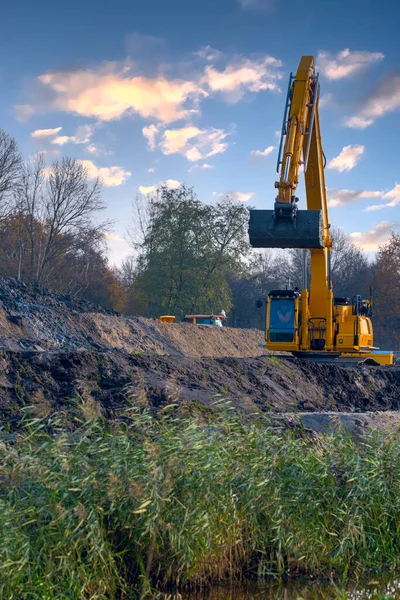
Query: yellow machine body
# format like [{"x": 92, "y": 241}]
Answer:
[
  {"x": 314, "y": 322},
  {"x": 166, "y": 319},
  {"x": 300, "y": 332}
]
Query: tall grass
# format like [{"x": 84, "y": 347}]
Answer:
[{"x": 111, "y": 509}]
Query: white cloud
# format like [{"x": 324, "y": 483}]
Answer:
[
  {"x": 345, "y": 63},
  {"x": 393, "y": 195},
  {"x": 148, "y": 189},
  {"x": 44, "y": 133},
  {"x": 150, "y": 133},
  {"x": 118, "y": 248},
  {"x": 60, "y": 140},
  {"x": 82, "y": 135},
  {"x": 203, "y": 166},
  {"x": 151, "y": 170},
  {"x": 109, "y": 176},
  {"x": 347, "y": 159},
  {"x": 371, "y": 240},
  {"x": 92, "y": 149},
  {"x": 358, "y": 122},
  {"x": 261, "y": 153},
  {"x": 194, "y": 143},
  {"x": 48, "y": 153},
  {"x": 172, "y": 184},
  {"x": 383, "y": 99},
  {"x": 95, "y": 150},
  {"x": 338, "y": 197},
  {"x": 113, "y": 237},
  {"x": 244, "y": 76},
  {"x": 208, "y": 53},
  {"x": 235, "y": 195}
]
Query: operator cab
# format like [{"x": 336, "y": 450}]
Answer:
[{"x": 282, "y": 315}]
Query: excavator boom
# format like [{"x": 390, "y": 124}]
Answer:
[{"x": 286, "y": 226}]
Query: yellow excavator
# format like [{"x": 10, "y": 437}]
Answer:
[{"x": 311, "y": 323}]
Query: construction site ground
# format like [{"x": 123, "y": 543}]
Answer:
[{"x": 58, "y": 353}]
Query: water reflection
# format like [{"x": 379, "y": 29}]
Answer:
[{"x": 305, "y": 590}]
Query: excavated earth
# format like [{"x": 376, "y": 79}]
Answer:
[{"x": 62, "y": 356}]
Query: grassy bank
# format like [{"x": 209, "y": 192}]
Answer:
[{"x": 103, "y": 511}]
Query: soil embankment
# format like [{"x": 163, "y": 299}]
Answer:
[
  {"x": 57, "y": 351},
  {"x": 33, "y": 318}
]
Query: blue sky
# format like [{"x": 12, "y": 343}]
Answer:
[{"x": 193, "y": 92}]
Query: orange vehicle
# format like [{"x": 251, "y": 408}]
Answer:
[{"x": 166, "y": 319}]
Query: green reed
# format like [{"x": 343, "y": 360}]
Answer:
[{"x": 113, "y": 510}]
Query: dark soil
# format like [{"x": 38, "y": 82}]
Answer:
[{"x": 106, "y": 382}]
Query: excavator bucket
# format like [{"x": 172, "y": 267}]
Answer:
[{"x": 305, "y": 230}]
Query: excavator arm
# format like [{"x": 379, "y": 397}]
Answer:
[{"x": 286, "y": 226}]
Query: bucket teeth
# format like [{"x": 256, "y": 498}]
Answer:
[{"x": 268, "y": 231}]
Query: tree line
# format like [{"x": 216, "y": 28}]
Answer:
[{"x": 187, "y": 256}]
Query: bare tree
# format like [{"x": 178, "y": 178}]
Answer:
[
  {"x": 10, "y": 170},
  {"x": 350, "y": 266},
  {"x": 143, "y": 212},
  {"x": 127, "y": 271},
  {"x": 64, "y": 201},
  {"x": 29, "y": 205}
]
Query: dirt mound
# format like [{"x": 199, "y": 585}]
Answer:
[
  {"x": 35, "y": 318},
  {"x": 56, "y": 381},
  {"x": 59, "y": 354}
]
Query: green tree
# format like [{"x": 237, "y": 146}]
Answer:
[{"x": 187, "y": 251}]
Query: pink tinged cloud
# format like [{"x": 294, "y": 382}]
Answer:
[
  {"x": 82, "y": 135},
  {"x": 110, "y": 93},
  {"x": 148, "y": 189},
  {"x": 262, "y": 153},
  {"x": 371, "y": 240},
  {"x": 194, "y": 143},
  {"x": 345, "y": 63},
  {"x": 339, "y": 197},
  {"x": 45, "y": 133},
  {"x": 150, "y": 133},
  {"x": 234, "y": 195},
  {"x": 171, "y": 184},
  {"x": 244, "y": 76},
  {"x": 109, "y": 176},
  {"x": 383, "y": 99},
  {"x": 393, "y": 195},
  {"x": 347, "y": 159},
  {"x": 204, "y": 166}
]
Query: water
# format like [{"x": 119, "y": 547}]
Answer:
[{"x": 304, "y": 590}]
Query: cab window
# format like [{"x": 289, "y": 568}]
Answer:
[
  {"x": 203, "y": 320},
  {"x": 281, "y": 323}
]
